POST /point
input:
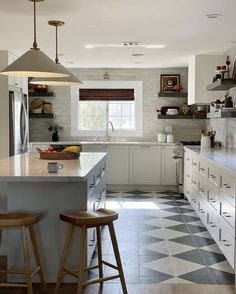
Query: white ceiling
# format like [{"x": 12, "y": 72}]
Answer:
[{"x": 178, "y": 24}]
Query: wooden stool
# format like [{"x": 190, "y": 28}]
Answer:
[
  {"x": 85, "y": 220},
  {"x": 23, "y": 221}
]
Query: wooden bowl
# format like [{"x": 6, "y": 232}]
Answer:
[{"x": 58, "y": 155}]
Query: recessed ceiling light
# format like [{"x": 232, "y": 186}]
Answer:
[
  {"x": 127, "y": 45},
  {"x": 155, "y": 46},
  {"x": 213, "y": 15},
  {"x": 70, "y": 62},
  {"x": 138, "y": 62},
  {"x": 137, "y": 54}
]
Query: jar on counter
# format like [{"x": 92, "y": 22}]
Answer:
[{"x": 205, "y": 142}]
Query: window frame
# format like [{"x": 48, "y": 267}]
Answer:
[{"x": 75, "y": 108}]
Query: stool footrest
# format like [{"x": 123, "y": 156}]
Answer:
[
  {"x": 110, "y": 265},
  {"x": 100, "y": 280},
  {"x": 13, "y": 285}
]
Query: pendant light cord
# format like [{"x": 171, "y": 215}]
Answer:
[
  {"x": 35, "y": 45},
  {"x": 57, "y": 59}
]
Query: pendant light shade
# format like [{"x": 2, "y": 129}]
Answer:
[
  {"x": 34, "y": 63},
  {"x": 70, "y": 80}
]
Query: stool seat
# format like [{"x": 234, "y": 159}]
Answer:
[
  {"x": 99, "y": 217},
  {"x": 18, "y": 219}
]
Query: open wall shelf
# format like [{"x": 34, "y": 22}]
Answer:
[
  {"x": 173, "y": 94},
  {"x": 222, "y": 85},
  {"x": 42, "y": 94}
]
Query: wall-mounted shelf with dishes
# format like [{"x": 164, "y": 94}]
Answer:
[
  {"x": 222, "y": 113},
  {"x": 41, "y": 115},
  {"x": 173, "y": 94},
  {"x": 222, "y": 85},
  {"x": 42, "y": 94},
  {"x": 178, "y": 116}
]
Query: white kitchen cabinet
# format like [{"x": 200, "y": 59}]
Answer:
[
  {"x": 145, "y": 165},
  {"x": 118, "y": 164},
  {"x": 212, "y": 193},
  {"x": 94, "y": 148},
  {"x": 169, "y": 176},
  {"x": 201, "y": 71}
]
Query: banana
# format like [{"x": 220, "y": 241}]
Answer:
[{"x": 72, "y": 149}]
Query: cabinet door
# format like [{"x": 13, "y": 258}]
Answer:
[
  {"x": 118, "y": 164},
  {"x": 145, "y": 165},
  {"x": 94, "y": 148},
  {"x": 169, "y": 176}
]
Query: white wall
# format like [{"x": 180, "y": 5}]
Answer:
[{"x": 183, "y": 129}]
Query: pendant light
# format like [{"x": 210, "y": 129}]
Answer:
[
  {"x": 34, "y": 63},
  {"x": 70, "y": 80}
]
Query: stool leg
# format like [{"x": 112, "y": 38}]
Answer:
[
  {"x": 81, "y": 261},
  {"x": 69, "y": 236},
  {"x": 37, "y": 257},
  {"x": 117, "y": 256},
  {"x": 26, "y": 259},
  {"x": 99, "y": 244}
]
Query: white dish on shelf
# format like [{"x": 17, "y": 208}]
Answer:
[{"x": 172, "y": 113}]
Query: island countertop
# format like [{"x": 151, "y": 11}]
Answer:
[
  {"x": 29, "y": 167},
  {"x": 224, "y": 157}
]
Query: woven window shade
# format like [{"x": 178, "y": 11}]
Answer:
[{"x": 106, "y": 94}]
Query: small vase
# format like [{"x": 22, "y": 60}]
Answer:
[{"x": 55, "y": 137}]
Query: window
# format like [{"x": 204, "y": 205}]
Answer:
[
  {"x": 95, "y": 114},
  {"x": 90, "y": 115}
]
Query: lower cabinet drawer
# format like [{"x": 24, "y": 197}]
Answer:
[
  {"x": 202, "y": 210},
  {"x": 228, "y": 186},
  {"x": 194, "y": 181},
  {"x": 194, "y": 199},
  {"x": 227, "y": 243},
  {"x": 227, "y": 211},
  {"x": 203, "y": 189},
  {"x": 214, "y": 199},
  {"x": 213, "y": 223}
]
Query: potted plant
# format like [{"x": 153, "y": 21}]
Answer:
[{"x": 55, "y": 129}]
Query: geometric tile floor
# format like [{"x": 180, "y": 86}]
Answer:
[{"x": 162, "y": 240}]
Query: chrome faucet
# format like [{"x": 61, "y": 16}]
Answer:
[{"x": 107, "y": 129}]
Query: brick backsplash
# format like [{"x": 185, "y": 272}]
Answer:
[{"x": 182, "y": 129}]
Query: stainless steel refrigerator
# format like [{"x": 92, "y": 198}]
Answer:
[{"x": 18, "y": 122}]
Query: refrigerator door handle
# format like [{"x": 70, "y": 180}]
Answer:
[{"x": 25, "y": 124}]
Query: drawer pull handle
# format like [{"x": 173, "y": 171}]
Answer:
[
  {"x": 194, "y": 163},
  {"x": 194, "y": 182},
  {"x": 226, "y": 214},
  {"x": 227, "y": 186},
  {"x": 212, "y": 176},
  {"x": 188, "y": 176},
  {"x": 91, "y": 186},
  {"x": 227, "y": 245},
  {"x": 202, "y": 190},
  {"x": 212, "y": 200},
  {"x": 188, "y": 159},
  {"x": 213, "y": 226},
  {"x": 201, "y": 168}
]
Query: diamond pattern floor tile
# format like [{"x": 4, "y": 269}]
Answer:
[{"x": 162, "y": 240}]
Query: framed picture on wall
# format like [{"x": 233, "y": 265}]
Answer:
[{"x": 169, "y": 83}]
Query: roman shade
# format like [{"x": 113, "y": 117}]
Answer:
[{"x": 106, "y": 94}]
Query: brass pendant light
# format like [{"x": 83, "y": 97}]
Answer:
[
  {"x": 70, "y": 80},
  {"x": 34, "y": 63}
]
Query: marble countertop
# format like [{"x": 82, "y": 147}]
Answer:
[
  {"x": 102, "y": 143},
  {"x": 29, "y": 167},
  {"x": 221, "y": 156}
]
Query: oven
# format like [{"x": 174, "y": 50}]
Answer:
[{"x": 178, "y": 157}]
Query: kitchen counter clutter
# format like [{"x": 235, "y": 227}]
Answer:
[
  {"x": 25, "y": 184},
  {"x": 210, "y": 186}
]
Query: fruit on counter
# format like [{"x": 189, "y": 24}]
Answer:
[
  {"x": 50, "y": 149},
  {"x": 72, "y": 149}
]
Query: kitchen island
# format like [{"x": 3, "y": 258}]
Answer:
[{"x": 25, "y": 184}]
